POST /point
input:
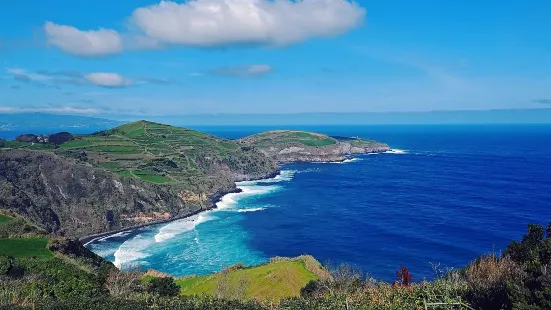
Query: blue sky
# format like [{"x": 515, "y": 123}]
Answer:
[{"x": 262, "y": 56}]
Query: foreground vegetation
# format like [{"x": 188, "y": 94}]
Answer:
[
  {"x": 75, "y": 278},
  {"x": 278, "y": 279}
]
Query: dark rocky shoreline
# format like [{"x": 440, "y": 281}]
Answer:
[{"x": 213, "y": 201}]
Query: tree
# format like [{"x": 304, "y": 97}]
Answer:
[{"x": 60, "y": 138}]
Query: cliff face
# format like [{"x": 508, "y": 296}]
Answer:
[{"x": 74, "y": 200}]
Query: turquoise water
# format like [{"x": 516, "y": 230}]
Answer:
[
  {"x": 444, "y": 195},
  {"x": 200, "y": 244}
]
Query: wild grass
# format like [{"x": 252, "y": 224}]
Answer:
[
  {"x": 272, "y": 281},
  {"x": 25, "y": 247}
]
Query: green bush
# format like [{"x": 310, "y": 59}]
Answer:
[
  {"x": 161, "y": 286},
  {"x": 531, "y": 289}
]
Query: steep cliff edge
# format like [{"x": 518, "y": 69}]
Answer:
[
  {"x": 72, "y": 199},
  {"x": 287, "y": 146}
]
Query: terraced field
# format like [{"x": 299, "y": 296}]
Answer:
[
  {"x": 165, "y": 154},
  {"x": 283, "y": 137}
]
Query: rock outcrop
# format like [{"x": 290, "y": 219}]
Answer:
[
  {"x": 74, "y": 200},
  {"x": 286, "y": 146}
]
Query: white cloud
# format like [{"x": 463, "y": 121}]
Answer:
[
  {"x": 29, "y": 75},
  {"x": 61, "y": 110},
  {"x": 101, "y": 79},
  {"x": 104, "y": 79},
  {"x": 207, "y": 23},
  {"x": 243, "y": 72},
  {"x": 91, "y": 43}
]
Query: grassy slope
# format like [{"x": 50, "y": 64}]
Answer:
[
  {"x": 285, "y": 138},
  {"x": 22, "y": 247},
  {"x": 276, "y": 137},
  {"x": 164, "y": 154},
  {"x": 132, "y": 149},
  {"x": 272, "y": 281},
  {"x": 25, "y": 247}
]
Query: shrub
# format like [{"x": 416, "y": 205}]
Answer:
[
  {"x": 531, "y": 289},
  {"x": 404, "y": 277},
  {"x": 486, "y": 278},
  {"x": 5, "y": 265},
  {"x": 161, "y": 286}
]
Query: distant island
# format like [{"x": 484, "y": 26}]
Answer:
[{"x": 141, "y": 173}]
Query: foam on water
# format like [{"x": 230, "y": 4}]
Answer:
[
  {"x": 177, "y": 227},
  {"x": 250, "y": 210},
  {"x": 283, "y": 176},
  {"x": 132, "y": 250},
  {"x": 140, "y": 246},
  {"x": 396, "y": 151},
  {"x": 346, "y": 161}
]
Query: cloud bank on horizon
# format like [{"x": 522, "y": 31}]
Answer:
[{"x": 272, "y": 56}]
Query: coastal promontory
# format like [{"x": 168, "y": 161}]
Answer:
[{"x": 143, "y": 172}]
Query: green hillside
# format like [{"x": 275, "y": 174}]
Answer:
[
  {"x": 286, "y": 146},
  {"x": 29, "y": 241},
  {"x": 303, "y": 138},
  {"x": 284, "y": 137},
  {"x": 25, "y": 247},
  {"x": 165, "y": 154},
  {"x": 273, "y": 281}
]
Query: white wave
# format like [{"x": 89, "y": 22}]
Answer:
[
  {"x": 228, "y": 201},
  {"x": 346, "y": 161},
  {"x": 103, "y": 239},
  {"x": 256, "y": 190},
  {"x": 250, "y": 210},
  {"x": 396, "y": 151},
  {"x": 121, "y": 234},
  {"x": 136, "y": 248},
  {"x": 172, "y": 229},
  {"x": 132, "y": 250},
  {"x": 350, "y": 160},
  {"x": 283, "y": 176}
]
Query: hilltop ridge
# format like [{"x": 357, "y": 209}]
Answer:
[{"x": 286, "y": 146}]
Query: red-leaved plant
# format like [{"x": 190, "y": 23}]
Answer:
[{"x": 404, "y": 277}]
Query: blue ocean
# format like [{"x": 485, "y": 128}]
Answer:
[{"x": 443, "y": 196}]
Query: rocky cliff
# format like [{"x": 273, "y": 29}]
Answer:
[{"x": 69, "y": 198}]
